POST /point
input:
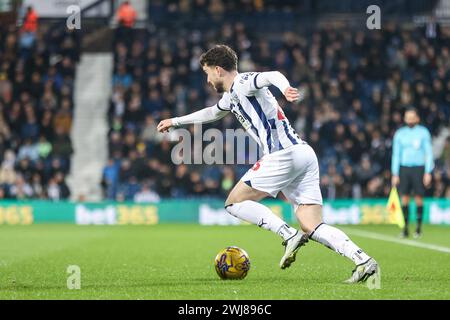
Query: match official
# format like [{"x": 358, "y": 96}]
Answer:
[{"x": 412, "y": 163}]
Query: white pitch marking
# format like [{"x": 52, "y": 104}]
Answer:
[{"x": 382, "y": 237}]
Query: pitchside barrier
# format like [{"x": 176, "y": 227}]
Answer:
[{"x": 205, "y": 212}]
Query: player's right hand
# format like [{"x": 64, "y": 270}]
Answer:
[
  {"x": 395, "y": 181},
  {"x": 292, "y": 94},
  {"x": 165, "y": 125}
]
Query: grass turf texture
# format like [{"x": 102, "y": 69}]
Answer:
[{"x": 176, "y": 262}]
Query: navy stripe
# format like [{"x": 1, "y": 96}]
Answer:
[
  {"x": 273, "y": 126},
  {"x": 263, "y": 118},
  {"x": 249, "y": 183},
  {"x": 246, "y": 116},
  {"x": 286, "y": 130},
  {"x": 254, "y": 82}
]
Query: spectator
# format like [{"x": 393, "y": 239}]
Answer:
[
  {"x": 62, "y": 146},
  {"x": 30, "y": 20},
  {"x": 28, "y": 32},
  {"x": 2, "y": 193},
  {"x": 21, "y": 190},
  {"x": 126, "y": 18},
  {"x": 63, "y": 117},
  {"x": 44, "y": 148},
  {"x": 228, "y": 180},
  {"x": 110, "y": 179},
  {"x": 64, "y": 191},
  {"x": 7, "y": 172},
  {"x": 122, "y": 78},
  {"x": 28, "y": 151},
  {"x": 37, "y": 187},
  {"x": 146, "y": 195},
  {"x": 445, "y": 157},
  {"x": 365, "y": 171},
  {"x": 53, "y": 190}
]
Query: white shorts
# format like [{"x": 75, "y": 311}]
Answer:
[{"x": 293, "y": 171}]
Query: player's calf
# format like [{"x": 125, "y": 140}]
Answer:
[
  {"x": 262, "y": 216},
  {"x": 310, "y": 217},
  {"x": 338, "y": 241}
]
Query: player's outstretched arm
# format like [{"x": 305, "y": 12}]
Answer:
[
  {"x": 205, "y": 115},
  {"x": 276, "y": 78}
]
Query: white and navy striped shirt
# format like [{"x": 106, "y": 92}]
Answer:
[{"x": 259, "y": 113}]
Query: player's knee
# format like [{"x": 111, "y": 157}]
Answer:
[
  {"x": 231, "y": 208},
  {"x": 308, "y": 229},
  {"x": 228, "y": 202},
  {"x": 231, "y": 199}
]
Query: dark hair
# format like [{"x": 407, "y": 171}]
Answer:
[
  {"x": 221, "y": 56},
  {"x": 412, "y": 109}
]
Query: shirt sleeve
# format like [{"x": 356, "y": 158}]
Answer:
[
  {"x": 429, "y": 161},
  {"x": 276, "y": 78},
  {"x": 224, "y": 103},
  {"x": 206, "y": 115},
  {"x": 396, "y": 151}
]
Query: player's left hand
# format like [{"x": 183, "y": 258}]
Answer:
[
  {"x": 292, "y": 94},
  {"x": 165, "y": 125},
  {"x": 427, "y": 180}
]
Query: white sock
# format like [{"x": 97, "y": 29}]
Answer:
[
  {"x": 338, "y": 241},
  {"x": 262, "y": 216}
]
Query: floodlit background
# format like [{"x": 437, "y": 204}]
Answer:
[{"x": 83, "y": 84}]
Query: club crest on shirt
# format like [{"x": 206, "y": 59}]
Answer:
[{"x": 245, "y": 77}]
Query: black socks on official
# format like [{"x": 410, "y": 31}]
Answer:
[
  {"x": 405, "y": 210},
  {"x": 419, "y": 219}
]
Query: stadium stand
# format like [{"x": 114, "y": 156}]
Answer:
[
  {"x": 37, "y": 71},
  {"x": 359, "y": 83}
]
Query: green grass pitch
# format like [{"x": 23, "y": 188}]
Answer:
[{"x": 176, "y": 262}]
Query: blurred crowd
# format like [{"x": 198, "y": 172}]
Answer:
[
  {"x": 37, "y": 70},
  {"x": 206, "y": 8},
  {"x": 166, "y": 9},
  {"x": 358, "y": 83}
]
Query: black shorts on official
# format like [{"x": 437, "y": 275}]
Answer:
[{"x": 411, "y": 181}]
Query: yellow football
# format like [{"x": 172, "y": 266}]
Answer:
[{"x": 232, "y": 263}]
